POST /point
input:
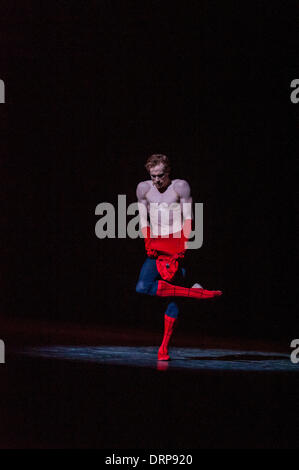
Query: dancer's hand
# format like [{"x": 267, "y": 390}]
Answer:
[
  {"x": 152, "y": 253},
  {"x": 146, "y": 232}
]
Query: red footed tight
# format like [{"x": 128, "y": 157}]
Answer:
[
  {"x": 169, "y": 323},
  {"x": 168, "y": 290}
]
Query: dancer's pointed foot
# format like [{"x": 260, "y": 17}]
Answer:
[
  {"x": 201, "y": 293},
  {"x": 163, "y": 355},
  {"x": 218, "y": 293},
  {"x": 214, "y": 293}
]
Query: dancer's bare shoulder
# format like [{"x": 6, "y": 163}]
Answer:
[
  {"x": 142, "y": 189},
  {"x": 182, "y": 188}
]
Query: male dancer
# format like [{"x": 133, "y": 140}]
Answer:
[{"x": 168, "y": 204}]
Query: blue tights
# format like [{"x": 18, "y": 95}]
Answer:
[{"x": 148, "y": 284}]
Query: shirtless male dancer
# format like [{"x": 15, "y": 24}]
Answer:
[{"x": 165, "y": 214}]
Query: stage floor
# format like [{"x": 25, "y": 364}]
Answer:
[
  {"x": 193, "y": 359},
  {"x": 67, "y": 394}
]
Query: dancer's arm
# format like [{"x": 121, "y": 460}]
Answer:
[
  {"x": 142, "y": 190},
  {"x": 183, "y": 190}
]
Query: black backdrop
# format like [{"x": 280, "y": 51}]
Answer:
[{"x": 93, "y": 88}]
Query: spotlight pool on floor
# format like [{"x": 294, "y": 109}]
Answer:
[{"x": 181, "y": 358}]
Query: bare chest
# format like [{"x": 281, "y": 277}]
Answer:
[{"x": 168, "y": 197}]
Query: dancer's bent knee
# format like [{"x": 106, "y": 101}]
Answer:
[{"x": 148, "y": 288}]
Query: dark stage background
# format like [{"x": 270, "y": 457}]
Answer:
[{"x": 92, "y": 89}]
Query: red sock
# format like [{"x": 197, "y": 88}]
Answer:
[
  {"x": 169, "y": 323},
  {"x": 168, "y": 290}
]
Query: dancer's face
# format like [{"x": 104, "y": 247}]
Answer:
[{"x": 159, "y": 177}]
